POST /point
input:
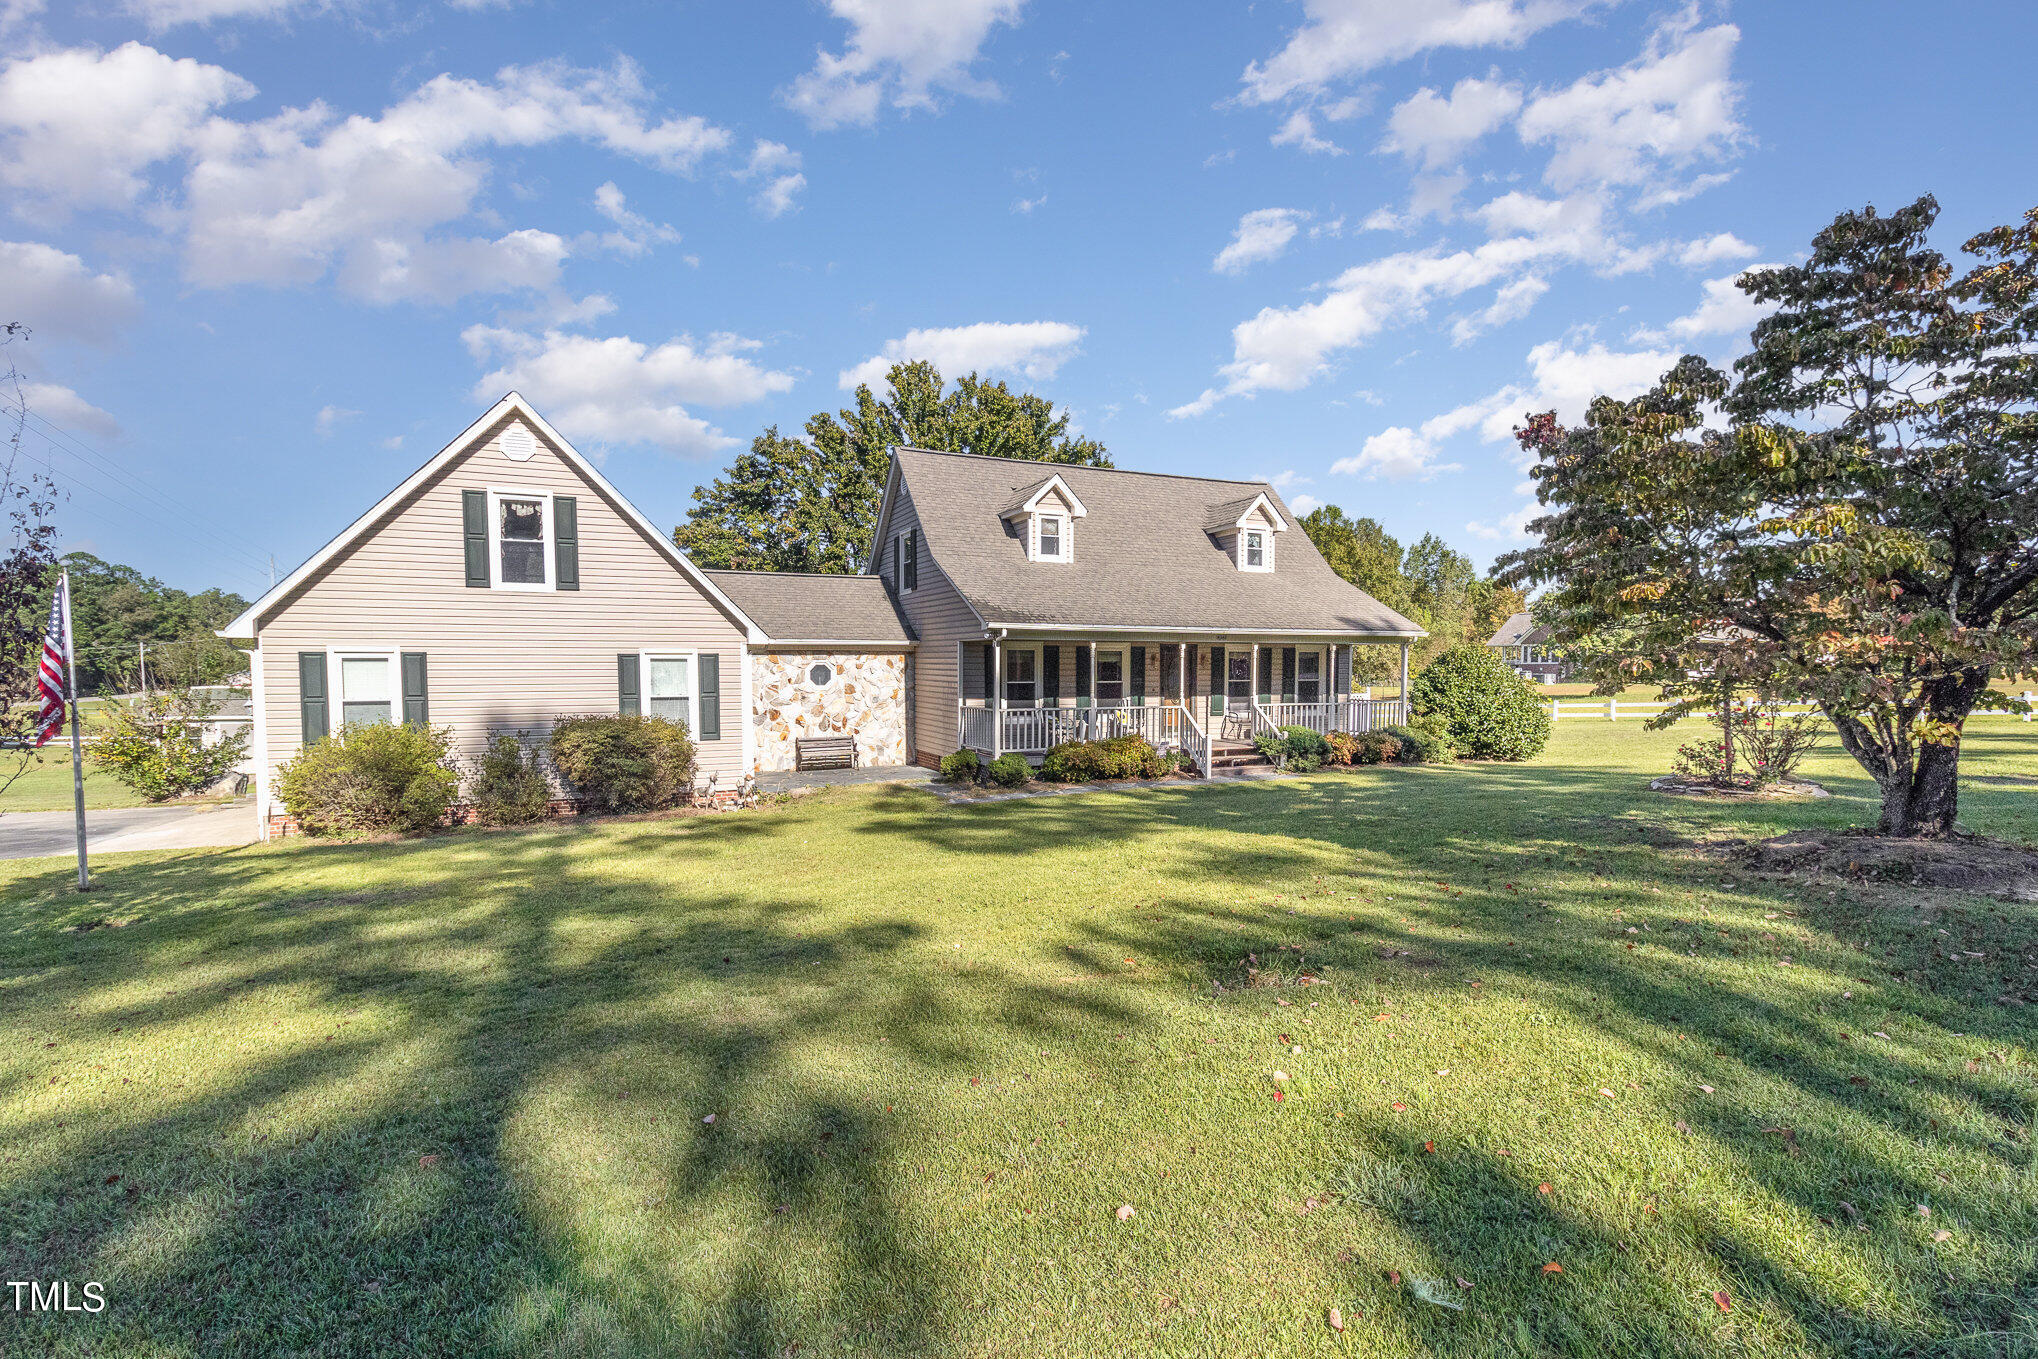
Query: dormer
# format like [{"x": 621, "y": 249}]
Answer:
[
  {"x": 1246, "y": 530},
  {"x": 1045, "y": 516}
]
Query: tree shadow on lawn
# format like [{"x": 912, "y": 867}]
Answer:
[
  {"x": 471, "y": 1132},
  {"x": 1816, "y": 1116},
  {"x": 555, "y": 1028}
]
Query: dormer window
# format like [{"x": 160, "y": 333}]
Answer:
[
  {"x": 1053, "y": 539},
  {"x": 1246, "y": 528},
  {"x": 1255, "y": 549},
  {"x": 1044, "y": 518}
]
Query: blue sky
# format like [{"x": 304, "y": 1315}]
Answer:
[{"x": 275, "y": 252}]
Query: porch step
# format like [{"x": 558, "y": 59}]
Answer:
[{"x": 1233, "y": 755}]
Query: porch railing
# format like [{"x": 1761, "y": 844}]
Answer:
[
  {"x": 1195, "y": 742},
  {"x": 1347, "y": 714},
  {"x": 977, "y": 726},
  {"x": 1035, "y": 731}
]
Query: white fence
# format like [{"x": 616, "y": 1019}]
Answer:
[
  {"x": 1613, "y": 709},
  {"x": 1346, "y": 714}
]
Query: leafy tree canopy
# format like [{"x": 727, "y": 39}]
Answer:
[
  {"x": 114, "y": 607},
  {"x": 811, "y": 504},
  {"x": 1852, "y": 517},
  {"x": 1430, "y": 582}
]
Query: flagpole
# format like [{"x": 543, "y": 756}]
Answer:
[{"x": 77, "y": 743}]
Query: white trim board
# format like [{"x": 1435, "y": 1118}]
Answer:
[{"x": 250, "y": 621}]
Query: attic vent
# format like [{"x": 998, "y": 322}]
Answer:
[{"x": 517, "y": 444}]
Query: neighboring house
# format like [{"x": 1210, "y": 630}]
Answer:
[
  {"x": 1051, "y": 602},
  {"x": 1525, "y": 645},
  {"x": 506, "y": 584},
  {"x": 233, "y": 712}
]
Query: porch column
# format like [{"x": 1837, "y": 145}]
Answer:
[
  {"x": 1404, "y": 682},
  {"x": 997, "y": 697},
  {"x": 1182, "y": 674},
  {"x": 961, "y": 691},
  {"x": 1252, "y": 688}
]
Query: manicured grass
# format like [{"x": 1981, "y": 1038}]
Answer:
[
  {"x": 449, "y": 1097},
  {"x": 45, "y": 786}
]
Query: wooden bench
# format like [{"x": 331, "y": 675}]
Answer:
[{"x": 824, "y": 752}]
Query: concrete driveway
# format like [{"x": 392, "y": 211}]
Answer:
[{"x": 36, "y": 835}]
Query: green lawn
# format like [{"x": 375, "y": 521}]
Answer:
[
  {"x": 450, "y": 1097},
  {"x": 45, "y": 786}
]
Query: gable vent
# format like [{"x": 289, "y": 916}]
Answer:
[{"x": 518, "y": 444}]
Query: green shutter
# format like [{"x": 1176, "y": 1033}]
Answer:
[
  {"x": 1218, "y": 685},
  {"x": 474, "y": 517},
  {"x": 990, "y": 666},
  {"x": 1263, "y": 676},
  {"x": 1287, "y": 674},
  {"x": 1137, "y": 687},
  {"x": 1083, "y": 655},
  {"x": 626, "y": 683},
  {"x": 711, "y": 698},
  {"x": 311, "y": 694},
  {"x": 415, "y": 712},
  {"x": 565, "y": 542},
  {"x": 1050, "y": 676}
]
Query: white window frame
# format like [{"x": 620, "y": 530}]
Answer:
[
  {"x": 899, "y": 585},
  {"x": 336, "y": 681},
  {"x": 1266, "y": 549},
  {"x": 693, "y": 683},
  {"x": 1097, "y": 677},
  {"x": 1006, "y": 682},
  {"x": 1067, "y": 536},
  {"x": 550, "y": 540}
]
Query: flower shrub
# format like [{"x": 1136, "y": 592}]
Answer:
[
  {"x": 371, "y": 778},
  {"x": 1009, "y": 771},
  {"x": 1343, "y": 748},
  {"x": 1768, "y": 748},
  {"x": 1489, "y": 710},
  {"x": 509, "y": 787},
  {"x": 624, "y": 762},
  {"x": 1375, "y": 747},
  {"x": 961, "y": 767},
  {"x": 1117, "y": 757}
]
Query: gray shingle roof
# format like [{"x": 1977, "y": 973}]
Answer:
[
  {"x": 1143, "y": 557},
  {"x": 1026, "y": 493},
  {"x": 1519, "y": 630},
  {"x": 1225, "y": 516},
  {"x": 810, "y": 608}
]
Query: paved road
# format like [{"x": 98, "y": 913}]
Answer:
[{"x": 35, "y": 835}]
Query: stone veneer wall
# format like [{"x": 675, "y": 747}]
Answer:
[{"x": 866, "y": 699}]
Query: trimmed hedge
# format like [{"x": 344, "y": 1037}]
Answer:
[
  {"x": 371, "y": 778},
  {"x": 1008, "y": 771},
  {"x": 624, "y": 762},
  {"x": 1489, "y": 710},
  {"x": 509, "y": 787},
  {"x": 1118, "y": 757},
  {"x": 961, "y": 767}
]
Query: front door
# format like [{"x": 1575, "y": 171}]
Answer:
[
  {"x": 1309, "y": 677},
  {"x": 1238, "y": 679}
]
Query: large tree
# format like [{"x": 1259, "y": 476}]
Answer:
[
  {"x": 1431, "y": 583},
  {"x": 117, "y": 611},
  {"x": 811, "y": 504},
  {"x": 1851, "y": 518}
]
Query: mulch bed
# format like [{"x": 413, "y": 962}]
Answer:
[
  {"x": 1786, "y": 791},
  {"x": 1963, "y": 863}
]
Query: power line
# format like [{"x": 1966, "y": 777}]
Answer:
[
  {"x": 101, "y": 462},
  {"x": 79, "y": 484}
]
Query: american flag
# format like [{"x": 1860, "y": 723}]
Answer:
[{"x": 49, "y": 678}]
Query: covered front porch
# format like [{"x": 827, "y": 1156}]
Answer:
[{"x": 1024, "y": 692}]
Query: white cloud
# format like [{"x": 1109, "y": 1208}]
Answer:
[
  {"x": 1281, "y": 481},
  {"x": 1304, "y": 503},
  {"x": 778, "y": 166},
  {"x": 901, "y": 54},
  {"x": 59, "y": 297},
  {"x": 79, "y": 127},
  {"x": 620, "y": 390},
  {"x": 306, "y": 192},
  {"x": 1511, "y": 528},
  {"x": 162, "y": 14},
  {"x": 1715, "y": 249},
  {"x": 1397, "y": 453},
  {"x": 635, "y": 233},
  {"x": 1723, "y": 309},
  {"x": 330, "y": 418},
  {"x": 1261, "y": 234},
  {"x": 1561, "y": 378},
  {"x": 63, "y": 407},
  {"x": 1668, "y": 110},
  {"x": 1035, "y": 348},
  {"x": 1300, "y": 132},
  {"x": 1511, "y": 302},
  {"x": 1435, "y": 130},
  {"x": 1026, "y": 207},
  {"x": 1344, "y": 38}
]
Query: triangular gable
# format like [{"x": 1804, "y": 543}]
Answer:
[{"x": 512, "y": 404}]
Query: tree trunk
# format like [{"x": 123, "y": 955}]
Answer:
[{"x": 1927, "y": 802}]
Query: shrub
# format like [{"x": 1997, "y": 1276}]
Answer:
[
  {"x": 1343, "y": 748},
  {"x": 1009, "y": 771},
  {"x": 1435, "y": 725},
  {"x": 1119, "y": 757},
  {"x": 1490, "y": 710},
  {"x": 1306, "y": 744},
  {"x": 1274, "y": 747},
  {"x": 961, "y": 767},
  {"x": 1418, "y": 745},
  {"x": 157, "y": 749},
  {"x": 509, "y": 788},
  {"x": 624, "y": 762},
  {"x": 1767, "y": 749},
  {"x": 371, "y": 778},
  {"x": 1375, "y": 747}
]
